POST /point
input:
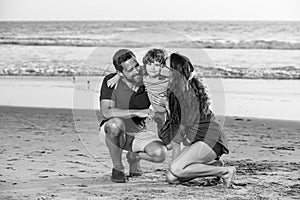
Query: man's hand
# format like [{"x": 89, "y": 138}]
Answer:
[{"x": 145, "y": 113}]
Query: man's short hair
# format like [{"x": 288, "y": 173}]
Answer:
[
  {"x": 154, "y": 55},
  {"x": 120, "y": 57}
]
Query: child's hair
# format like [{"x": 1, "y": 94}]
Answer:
[{"x": 154, "y": 55}]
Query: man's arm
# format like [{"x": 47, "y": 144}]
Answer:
[{"x": 109, "y": 110}]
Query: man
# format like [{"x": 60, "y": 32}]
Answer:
[{"x": 125, "y": 109}]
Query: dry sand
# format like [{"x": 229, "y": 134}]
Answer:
[{"x": 45, "y": 156}]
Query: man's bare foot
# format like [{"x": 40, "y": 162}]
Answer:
[{"x": 229, "y": 177}]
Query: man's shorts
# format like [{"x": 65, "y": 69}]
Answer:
[{"x": 135, "y": 142}]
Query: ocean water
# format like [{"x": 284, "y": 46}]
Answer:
[{"x": 227, "y": 49}]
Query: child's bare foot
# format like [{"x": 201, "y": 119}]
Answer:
[{"x": 228, "y": 178}]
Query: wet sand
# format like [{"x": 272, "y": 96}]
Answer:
[
  {"x": 272, "y": 99},
  {"x": 56, "y": 154}
]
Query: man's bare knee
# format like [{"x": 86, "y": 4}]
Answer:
[
  {"x": 114, "y": 127},
  {"x": 161, "y": 154}
]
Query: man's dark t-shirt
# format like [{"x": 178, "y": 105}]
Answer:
[{"x": 125, "y": 98}]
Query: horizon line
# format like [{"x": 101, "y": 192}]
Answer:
[{"x": 149, "y": 20}]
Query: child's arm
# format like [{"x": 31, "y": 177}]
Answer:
[
  {"x": 177, "y": 141},
  {"x": 114, "y": 80},
  {"x": 176, "y": 150}
]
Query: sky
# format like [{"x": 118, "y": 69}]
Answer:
[{"x": 33, "y": 10}]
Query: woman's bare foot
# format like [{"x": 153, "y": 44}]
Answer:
[
  {"x": 217, "y": 163},
  {"x": 171, "y": 178},
  {"x": 229, "y": 177}
]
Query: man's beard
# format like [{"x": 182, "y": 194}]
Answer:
[{"x": 136, "y": 79}]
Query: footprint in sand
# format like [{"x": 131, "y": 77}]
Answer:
[
  {"x": 48, "y": 170},
  {"x": 82, "y": 155},
  {"x": 43, "y": 176},
  {"x": 74, "y": 150},
  {"x": 11, "y": 168},
  {"x": 13, "y": 159},
  {"x": 82, "y": 185},
  {"x": 80, "y": 163},
  {"x": 37, "y": 153},
  {"x": 40, "y": 133}
]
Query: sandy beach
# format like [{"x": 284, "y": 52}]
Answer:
[
  {"x": 50, "y": 147},
  {"x": 46, "y": 155}
]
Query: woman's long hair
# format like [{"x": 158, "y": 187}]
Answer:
[
  {"x": 185, "y": 89},
  {"x": 188, "y": 100}
]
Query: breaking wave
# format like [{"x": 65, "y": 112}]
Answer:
[
  {"x": 286, "y": 72},
  {"x": 215, "y": 44}
]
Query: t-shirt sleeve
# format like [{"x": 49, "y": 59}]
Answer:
[{"x": 106, "y": 92}]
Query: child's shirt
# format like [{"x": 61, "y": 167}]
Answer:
[{"x": 157, "y": 91}]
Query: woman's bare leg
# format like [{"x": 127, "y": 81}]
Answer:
[{"x": 193, "y": 163}]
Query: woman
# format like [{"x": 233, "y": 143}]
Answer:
[{"x": 191, "y": 119}]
